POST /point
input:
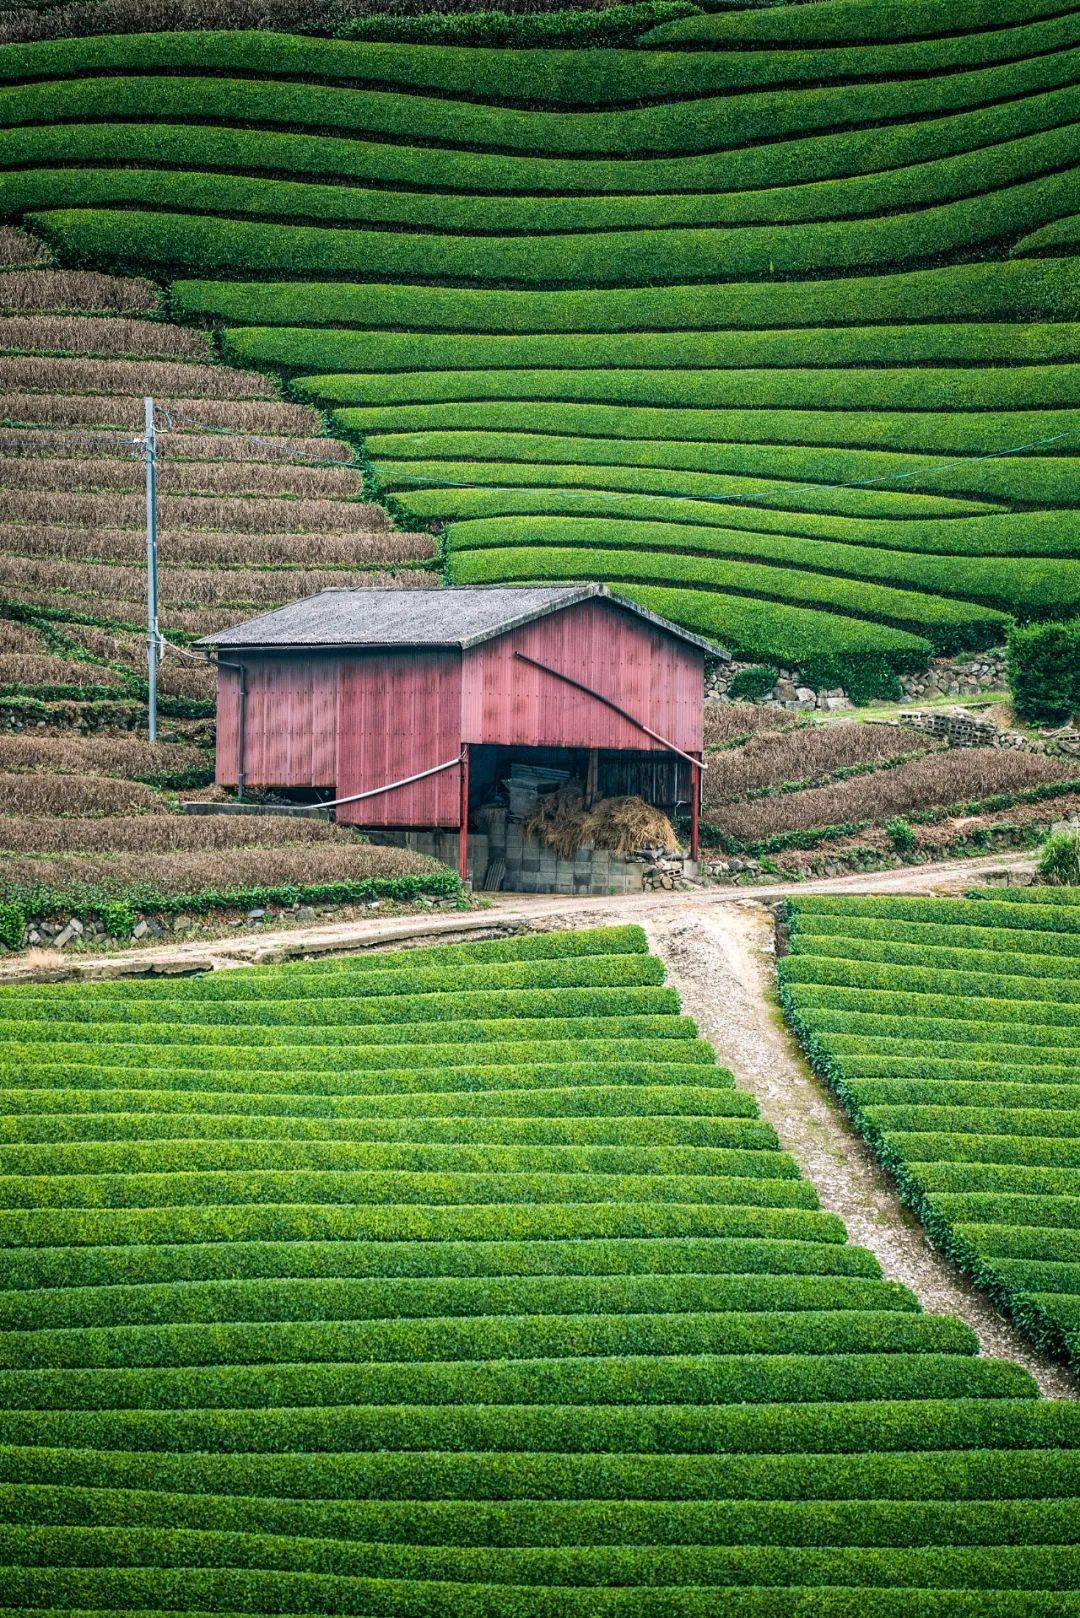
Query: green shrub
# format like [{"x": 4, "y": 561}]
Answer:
[
  {"x": 752, "y": 684},
  {"x": 12, "y": 924},
  {"x": 1059, "y": 864},
  {"x": 118, "y": 919},
  {"x": 163, "y": 75},
  {"x": 901, "y": 835},
  {"x": 952, "y": 623},
  {"x": 1044, "y": 670},
  {"x": 848, "y": 20}
]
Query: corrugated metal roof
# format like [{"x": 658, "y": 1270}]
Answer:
[{"x": 461, "y": 615}]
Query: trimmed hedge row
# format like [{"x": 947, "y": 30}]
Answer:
[
  {"x": 360, "y": 349},
  {"x": 374, "y": 976},
  {"x": 844, "y": 21},
  {"x": 1006, "y": 291},
  {"x": 85, "y": 1270},
  {"x": 1031, "y": 586},
  {"x": 1017, "y": 387},
  {"x": 559, "y": 78},
  {"x": 825, "y": 480},
  {"x": 986, "y": 1153},
  {"x": 907, "y": 431}
]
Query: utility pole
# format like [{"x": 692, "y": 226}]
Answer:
[{"x": 153, "y": 634}]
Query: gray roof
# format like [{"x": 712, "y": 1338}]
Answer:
[{"x": 456, "y": 615}]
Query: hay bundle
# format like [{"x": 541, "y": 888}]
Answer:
[
  {"x": 627, "y": 825},
  {"x": 623, "y": 825}
]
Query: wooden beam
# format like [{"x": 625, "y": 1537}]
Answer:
[
  {"x": 557, "y": 674},
  {"x": 463, "y": 816},
  {"x": 695, "y": 810}
]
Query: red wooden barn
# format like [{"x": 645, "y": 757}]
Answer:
[{"x": 407, "y": 707}]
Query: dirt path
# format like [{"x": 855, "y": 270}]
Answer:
[{"x": 509, "y": 912}]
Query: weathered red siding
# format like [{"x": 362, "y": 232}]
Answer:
[
  {"x": 649, "y": 673},
  {"x": 399, "y": 713},
  {"x": 290, "y": 736}
]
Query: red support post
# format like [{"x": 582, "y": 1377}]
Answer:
[
  {"x": 463, "y": 816},
  {"x": 695, "y": 809}
]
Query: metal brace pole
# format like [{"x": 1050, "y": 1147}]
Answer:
[{"x": 153, "y": 633}]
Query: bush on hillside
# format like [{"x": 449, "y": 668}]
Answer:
[
  {"x": 752, "y": 684},
  {"x": 1060, "y": 862},
  {"x": 1044, "y": 670}
]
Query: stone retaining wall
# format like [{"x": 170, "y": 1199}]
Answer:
[{"x": 945, "y": 677}]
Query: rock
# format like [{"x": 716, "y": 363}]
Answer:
[
  {"x": 140, "y": 929},
  {"x": 256, "y": 915},
  {"x": 154, "y": 928},
  {"x": 803, "y": 693},
  {"x": 182, "y": 924},
  {"x": 65, "y": 936},
  {"x": 305, "y": 913},
  {"x": 836, "y": 703},
  {"x": 33, "y": 936}
]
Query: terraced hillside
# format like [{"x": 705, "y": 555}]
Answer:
[
  {"x": 257, "y": 506},
  {"x": 774, "y": 786},
  {"x": 951, "y": 1031},
  {"x": 771, "y": 318},
  {"x": 492, "y": 1296}
]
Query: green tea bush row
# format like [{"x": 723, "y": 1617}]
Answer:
[
  {"x": 993, "y": 909},
  {"x": 363, "y": 349},
  {"x": 321, "y": 982},
  {"x": 574, "y": 1101},
  {"x": 827, "y": 929},
  {"x": 1028, "y": 585},
  {"x": 435, "y": 1066},
  {"x": 978, "y": 1474},
  {"x": 1014, "y": 1418},
  {"x": 339, "y": 1301},
  {"x": 979, "y": 292},
  {"x": 931, "y": 958},
  {"x": 285, "y": 1046},
  {"x": 949, "y": 179},
  {"x": 227, "y": 1223},
  {"x": 566, "y": 1522},
  {"x": 848, "y": 20},
  {"x": 70, "y": 1269},
  {"x": 616, "y": 1131},
  {"x": 382, "y": 1012},
  {"x": 1017, "y": 387},
  {"x": 868, "y": 974},
  {"x": 954, "y": 434}
]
